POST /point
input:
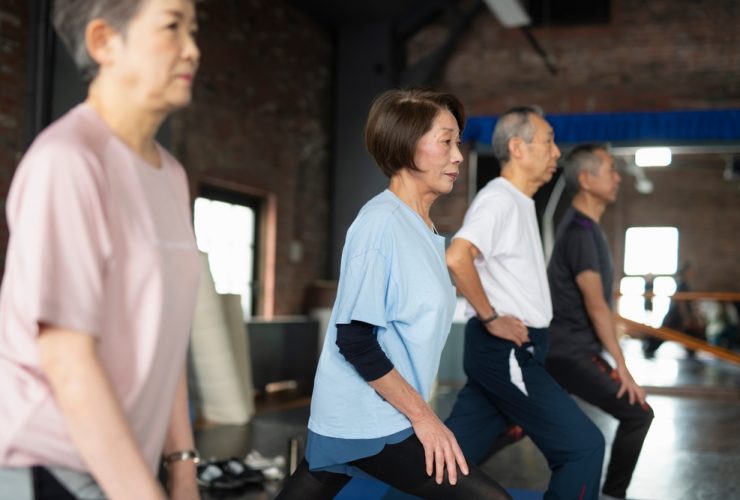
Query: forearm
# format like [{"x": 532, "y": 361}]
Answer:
[
  {"x": 401, "y": 395},
  {"x": 179, "y": 434},
  {"x": 468, "y": 282},
  {"x": 180, "y": 438},
  {"x": 603, "y": 322},
  {"x": 94, "y": 418}
]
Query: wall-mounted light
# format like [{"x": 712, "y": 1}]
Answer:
[{"x": 653, "y": 157}]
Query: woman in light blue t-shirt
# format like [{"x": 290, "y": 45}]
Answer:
[{"x": 394, "y": 306}]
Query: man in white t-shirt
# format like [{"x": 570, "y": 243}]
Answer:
[{"x": 497, "y": 262}]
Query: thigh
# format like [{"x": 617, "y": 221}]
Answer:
[
  {"x": 531, "y": 398},
  {"x": 47, "y": 487},
  {"x": 476, "y": 422},
  {"x": 403, "y": 466},
  {"x": 305, "y": 484},
  {"x": 593, "y": 379}
]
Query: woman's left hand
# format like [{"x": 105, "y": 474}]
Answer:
[{"x": 440, "y": 448}]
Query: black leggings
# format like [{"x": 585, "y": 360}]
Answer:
[{"x": 400, "y": 465}]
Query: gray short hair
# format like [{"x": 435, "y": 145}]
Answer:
[
  {"x": 513, "y": 123},
  {"x": 71, "y": 18},
  {"x": 582, "y": 157}
]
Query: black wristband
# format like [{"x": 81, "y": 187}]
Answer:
[{"x": 489, "y": 319}]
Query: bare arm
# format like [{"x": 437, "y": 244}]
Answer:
[
  {"x": 181, "y": 476},
  {"x": 440, "y": 446},
  {"x": 590, "y": 285},
  {"x": 460, "y": 259},
  {"x": 94, "y": 417}
]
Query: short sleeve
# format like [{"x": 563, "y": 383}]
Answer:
[
  {"x": 364, "y": 289},
  {"x": 483, "y": 223},
  {"x": 580, "y": 252},
  {"x": 59, "y": 240}
]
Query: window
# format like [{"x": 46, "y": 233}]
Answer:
[
  {"x": 226, "y": 229},
  {"x": 650, "y": 261}
]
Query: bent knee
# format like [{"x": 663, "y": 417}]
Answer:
[{"x": 591, "y": 443}]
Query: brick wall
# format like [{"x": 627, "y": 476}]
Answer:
[
  {"x": 656, "y": 55},
  {"x": 704, "y": 207},
  {"x": 661, "y": 54},
  {"x": 261, "y": 118},
  {"x": 13, "y": 47}
]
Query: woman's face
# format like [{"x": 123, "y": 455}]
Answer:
[
  {"x": 438, "y": 155},
  {"x": 155, "y": 62}
]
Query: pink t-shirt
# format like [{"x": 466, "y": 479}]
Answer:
[{"x": 102, "y": 243}]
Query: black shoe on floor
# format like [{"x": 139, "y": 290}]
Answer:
[{"x": 227, "y": 474}]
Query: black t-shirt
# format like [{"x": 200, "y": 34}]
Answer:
[{"x": 580, "y": 245}]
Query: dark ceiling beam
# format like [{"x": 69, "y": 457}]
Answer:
[
  {"x": 428, "y": 70},
  {"x": 549, "y": 63},
  {"x": 417, "y": 17}
]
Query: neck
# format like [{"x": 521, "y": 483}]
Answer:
[
  {"x": 412, "y": 194},
  {"x": 589, "y": 205},
  {"x": 520, "y": 180},
  {"x": 135, "y": 126}
]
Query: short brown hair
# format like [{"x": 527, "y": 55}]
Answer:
[{"x": 397, "y": 120}]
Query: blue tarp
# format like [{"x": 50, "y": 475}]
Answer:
[{"x": 638, "y": 127}]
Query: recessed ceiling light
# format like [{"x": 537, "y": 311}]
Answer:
[{"x": 653, "y": 157}]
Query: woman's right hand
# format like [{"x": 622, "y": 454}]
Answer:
[{"x": 440, "y": 448}]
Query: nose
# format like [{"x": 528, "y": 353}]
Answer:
[
  {"x": 457, "y": 156},
  {"x": 190, "y": 49},
  {"x": 555, "y": 151}
]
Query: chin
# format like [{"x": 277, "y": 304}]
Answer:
[
  {"x": 447, "y": 189},
  {"x": 179, "y": 102}
]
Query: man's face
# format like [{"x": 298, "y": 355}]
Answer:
[
  {"x": 604, "y": 183},
  {"x": 541, "y": 153}
]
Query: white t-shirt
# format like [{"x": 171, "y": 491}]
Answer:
[
  {"x": 393, "y": 275},
  {"x": 101, "y": 243},
  {"x": 502, "y": 223}
]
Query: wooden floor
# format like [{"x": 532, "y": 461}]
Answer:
[{"x": 692, "y": 451}]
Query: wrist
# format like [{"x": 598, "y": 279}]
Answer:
[
  {"x": 190, "y": 456},
  {"x": 489, "y": 319}
]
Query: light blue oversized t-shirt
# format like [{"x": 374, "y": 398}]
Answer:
[{"x": 392, "y": 275}]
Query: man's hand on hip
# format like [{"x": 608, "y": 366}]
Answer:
[{"x": 509, "y": 328}]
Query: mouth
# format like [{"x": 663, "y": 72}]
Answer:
[
  {"x": 453, "y": 176},
  {"x": 186, "y": 77}
]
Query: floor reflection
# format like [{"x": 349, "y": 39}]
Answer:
[{"x": 691, "y": 452}]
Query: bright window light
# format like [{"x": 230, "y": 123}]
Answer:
[
  {"x": 632, "y": 285},
  {"x": 653, "y": 157},
  {"x": 651, "y": 250},
  {"x": 664, "y": 286},
  {"x": 632, "y": 307},
  {"x": 226, "y": 233}
]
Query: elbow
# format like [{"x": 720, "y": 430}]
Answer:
[{"x": 454, "y": 261}]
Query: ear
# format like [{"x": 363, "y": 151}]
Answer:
[
  {"x": 516, "y": 147},
  {"x": 584, "y": 180},
  {"x": 101, "y": 40}
]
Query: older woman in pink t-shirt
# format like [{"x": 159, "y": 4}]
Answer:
[{"x": 102, "y": 270}]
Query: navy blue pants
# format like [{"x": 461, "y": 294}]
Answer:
[{"x": 509, "y": 384}]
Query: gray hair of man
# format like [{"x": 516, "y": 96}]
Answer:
[
  {"x": 582, "y": 158},
  {"x": 515, "y": 122},
  {"x": 71, "y": 18}
]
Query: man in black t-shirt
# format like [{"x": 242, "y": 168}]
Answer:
[{"x": 580, "y": 273}]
